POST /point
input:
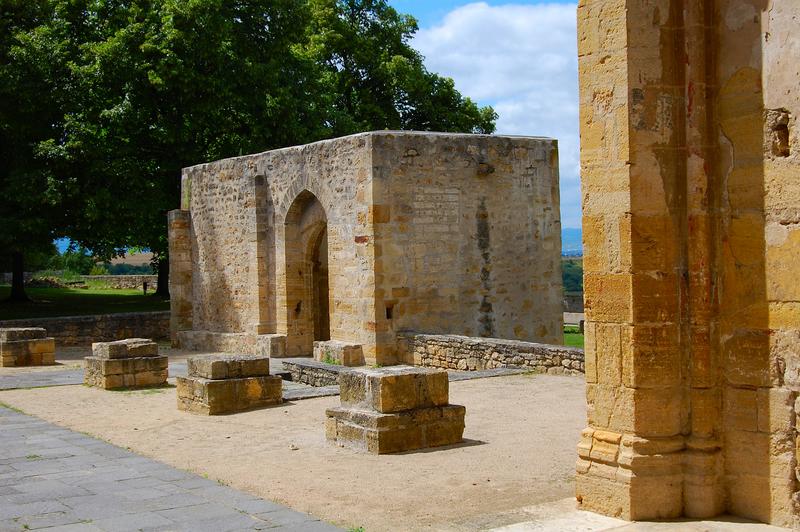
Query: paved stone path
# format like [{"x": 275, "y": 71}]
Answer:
[
  {"x": 54, "y": 477},
  {"x": 35, "y": 379},
  {"x": 291, "y": 390}
]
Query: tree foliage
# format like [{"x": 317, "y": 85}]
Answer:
[{"x": 102, "y": 102}]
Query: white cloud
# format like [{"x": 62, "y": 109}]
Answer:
[{"x": 522, "y": 60}]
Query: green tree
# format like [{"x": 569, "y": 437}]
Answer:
[
  {"x": 374, "y": 79},
  {"x": 157, "y": 86},
  {"x": 29, "y": 113},
  {"x": 104, "y": 102}
]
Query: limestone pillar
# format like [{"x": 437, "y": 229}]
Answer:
[
  {"x": 687, "y": 123},
  {"x": 180, "y": 273}
]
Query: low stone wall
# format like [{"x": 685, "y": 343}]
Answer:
[
  {"x": 83, "y": 330},
  {"x": 125, "y": 281},
  {"x": 573, "y": 302},
  {"x": 471, "y": 354},
  {"x": 6, "y": 277},
  {"x": 312, "y": 372}
]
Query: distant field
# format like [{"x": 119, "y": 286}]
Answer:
[
  {"x": 573, "y": 337},
  {"x": 50, "y": 302}
]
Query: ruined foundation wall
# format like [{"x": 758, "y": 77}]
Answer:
[
  {"x": 468, "y": 236},
  {"x": 74, "y": 331},
  {"x": 440, "y": 233},
  {"x": 688, "y": 123},
  {"x": 450, "y": 351}
]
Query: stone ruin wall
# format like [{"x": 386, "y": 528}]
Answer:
[
  {"x": 467, "y": 236},
  {"x": 338, "y": 173},
  {"x": 236, "y": 212},
  {"x": 691, "y": 202},
  {"x": 133, "y": 282},
  {"x": 450, "y": 351},
  {"x": 223, "y": 215},
  {"x": 74, "y": 331},
  {"x": 454, "y": 233}
]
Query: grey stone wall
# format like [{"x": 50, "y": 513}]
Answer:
[
  {"x": 125, "y": 281},
  {"x": 469, "y": 353},
  {"x": 83, "y": 330}
]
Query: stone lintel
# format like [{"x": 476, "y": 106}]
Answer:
[
  {"x": 128, "y": 348},
  {"x": 337, "y": 352},
  {"x": 227, "y": 366}
]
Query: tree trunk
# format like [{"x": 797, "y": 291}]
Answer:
[
  {"x": 163, "y": 278},
  {"x": 18, "y": 277}
]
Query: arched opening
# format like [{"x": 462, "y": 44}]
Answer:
[
  {"x": 307, "y": 293},
  {"x": 319, "y": 277}
]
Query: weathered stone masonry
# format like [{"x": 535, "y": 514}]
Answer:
[
  {"x": 450, "y": 351},
  {"x": 691, "y": 204},
  {"x": 355, "y": 238},
  {"x": 70, "y": 331}
]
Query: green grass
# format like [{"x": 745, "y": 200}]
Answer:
[
  {"x": 573, "y": 337},
  {"x": 49, "y": 302}
]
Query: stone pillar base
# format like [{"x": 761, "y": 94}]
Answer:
[
  {"x": 139, "y": 372},
  {"x": 394, "y": 409},
  {"x": 228, "y": 396},
  {"x": 226, "y": 384},
  {"x": 132, "y": 363},
  {"x": 26, "y": 347},
  {"x": 341, "y": 353},
  {"x": 630, "y": 477},
  {"x": 378, "y": 433}
]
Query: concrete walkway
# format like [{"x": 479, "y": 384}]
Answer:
[{"x": 54, "y": 477}]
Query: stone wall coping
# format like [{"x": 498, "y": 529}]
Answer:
[{"x": 370, "y": 134}]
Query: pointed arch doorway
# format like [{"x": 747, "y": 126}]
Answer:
[{"x": 307, "y": 289}]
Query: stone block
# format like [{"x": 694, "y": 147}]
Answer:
[
  {"x": 128, "y": 348},
  {"x": 227, "y": 396},
  {"x": 381, "y": 433},
  {"x": 271, "y": 345},
  {"x": 335, "y": 352},
  {"x": 21, "y": 333},
  {"x": 395, "y": 409},
  {"x": 26, "y": 347},
  {"x": 227, "y": 366},
  {"x": 135, "y": 372},
  {"x": 394, "y": 389}
]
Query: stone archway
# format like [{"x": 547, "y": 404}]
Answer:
[{"x": 307, "y": 294}]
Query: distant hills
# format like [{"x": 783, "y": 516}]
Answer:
[{"x": 572, "y": 242}]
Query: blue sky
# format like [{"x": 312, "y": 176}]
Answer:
[
  {"x": 518, "y": 56},
  {"x": 429, "y": 12}
]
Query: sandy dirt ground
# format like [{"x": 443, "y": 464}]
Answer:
[{"x": 519, "y": 450}]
